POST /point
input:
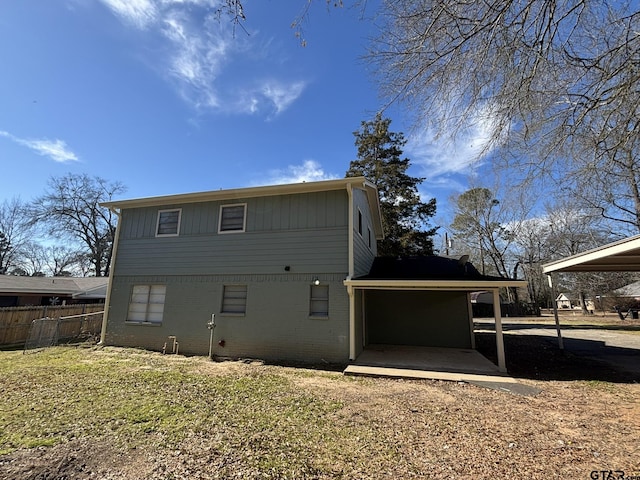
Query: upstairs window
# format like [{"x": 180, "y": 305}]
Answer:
[
  {"x": 319, "y": 301},
  {"x": 168, "y": 222},
  {"x": 147, "y": 304},
  {"x": 359, "y": 222},
  {"x": 234, "y": 299},
  {"x": 232, "y": 218}
]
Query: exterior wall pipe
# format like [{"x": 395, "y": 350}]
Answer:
[{"x": 107, "y": 302}]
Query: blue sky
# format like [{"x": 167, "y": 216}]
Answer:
[{"x": 161, "y": 96}]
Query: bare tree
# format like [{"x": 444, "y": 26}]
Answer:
[
  {"x": 15, "y": 231},
  {"x": 551, "y": 80},
  {"x": 71, "y": 206},
  {"x": 52, "y": 260},
  {"x": 489, "y": 227},
  {"x": 532, "y": 250}
]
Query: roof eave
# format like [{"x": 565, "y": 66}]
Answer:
[
  {"x": 462, "y": 285},
  {"x": 620, "y": 256},
  {"x": 237, "y": 193}
]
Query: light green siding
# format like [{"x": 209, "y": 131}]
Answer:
[
  {"x": 276, "y": 325},
  {"x": 364, "y": 247},
  {"x": 307, "y": 232},
  {"x": 289, "y": 241},
  {"x": 423, "y": 318}
]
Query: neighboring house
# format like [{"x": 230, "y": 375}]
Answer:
[
  {"x": 16, "y": 291},
  {"x": 631, "y": 291},
  {"x": 288, "y": 271},
  {"x": 563, "y": 301}
]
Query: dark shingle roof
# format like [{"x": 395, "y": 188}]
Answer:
[{"x": 424, "y": 268}]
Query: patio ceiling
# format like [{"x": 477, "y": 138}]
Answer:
[{"x": 621, "y": 256}]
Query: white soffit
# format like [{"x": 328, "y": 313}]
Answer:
[
  {"x": 460, "y": 285},
  {"x": 621, "y": 256}
]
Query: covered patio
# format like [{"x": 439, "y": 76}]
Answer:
[{"x": 415, "y": 314}]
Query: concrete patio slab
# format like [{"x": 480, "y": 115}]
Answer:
[
  {"x": 447, "y": 360},
  {"x": 429, "y": 363}
]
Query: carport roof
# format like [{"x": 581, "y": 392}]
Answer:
[
  {"x": 429, "y": 273},
  {"x": 621, "y": 256}
]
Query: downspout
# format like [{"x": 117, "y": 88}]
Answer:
[
  {"x": 352, "y": 304},
  {"x": 107, "y": 302},
  {"x": 351, "y": 246}
]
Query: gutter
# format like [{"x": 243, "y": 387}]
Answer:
[{"x": 107, "y": 302}]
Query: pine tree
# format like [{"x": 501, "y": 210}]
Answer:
[{"x": 404, "y": 215}]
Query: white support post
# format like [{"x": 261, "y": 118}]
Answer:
[
  {"x": 352, "y": 323},
  {"x": 502, "y": 365},
  {"x": 471, "y": 325},
  {"x": 554, "y": 294}
]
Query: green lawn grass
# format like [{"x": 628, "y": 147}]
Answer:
[
  {"x": 136, "y": 397},
  {"x": 145, "y": 415}
]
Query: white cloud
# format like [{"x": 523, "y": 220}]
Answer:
[
  {"x": 272, "y": 97},
  {"x": 57, "y": 149},
  {"x": 200, "y": 48},
  {"x": 139, "y": 13},
  {"x": 283, "y": 95},
  {"x": 309, "y": 171},
  {"x": 440, "y": 156}
]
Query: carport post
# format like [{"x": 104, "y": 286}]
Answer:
[
  {"x": 554, "y": 296},
  {"x": 502, "y": 364}
]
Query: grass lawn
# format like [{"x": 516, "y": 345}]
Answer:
[{"x": 113, "y": 413}]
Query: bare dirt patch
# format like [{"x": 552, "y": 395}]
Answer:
[{"x": 249, "y": 420}]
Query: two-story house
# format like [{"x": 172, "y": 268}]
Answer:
[
  {"x": 289, "y": 271},
  {"x": 269, "y": 262}
]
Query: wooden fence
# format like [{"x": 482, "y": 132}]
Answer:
[{"x": 15, "y": 322}]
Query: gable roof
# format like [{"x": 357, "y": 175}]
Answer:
[
  {"x": 263, "y": 191},
  {"x": 16, "y": 285},
  {"x": 621, "y": 256},
  {"x": 631, "y": 290}
]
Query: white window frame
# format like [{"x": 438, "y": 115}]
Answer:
[
  {"x": 160, "y": 212},
  {"x": 225, "y": 290},
  {"x": 315, "y": 299},
  {"x": 244, "y": 218},
  {"x": 151, "y": 310}
]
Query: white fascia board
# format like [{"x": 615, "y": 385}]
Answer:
[
  {"x": 614, "y": 256},
  {"x": 461, "y": 285},
  {"x": 239, "y": 193}
]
